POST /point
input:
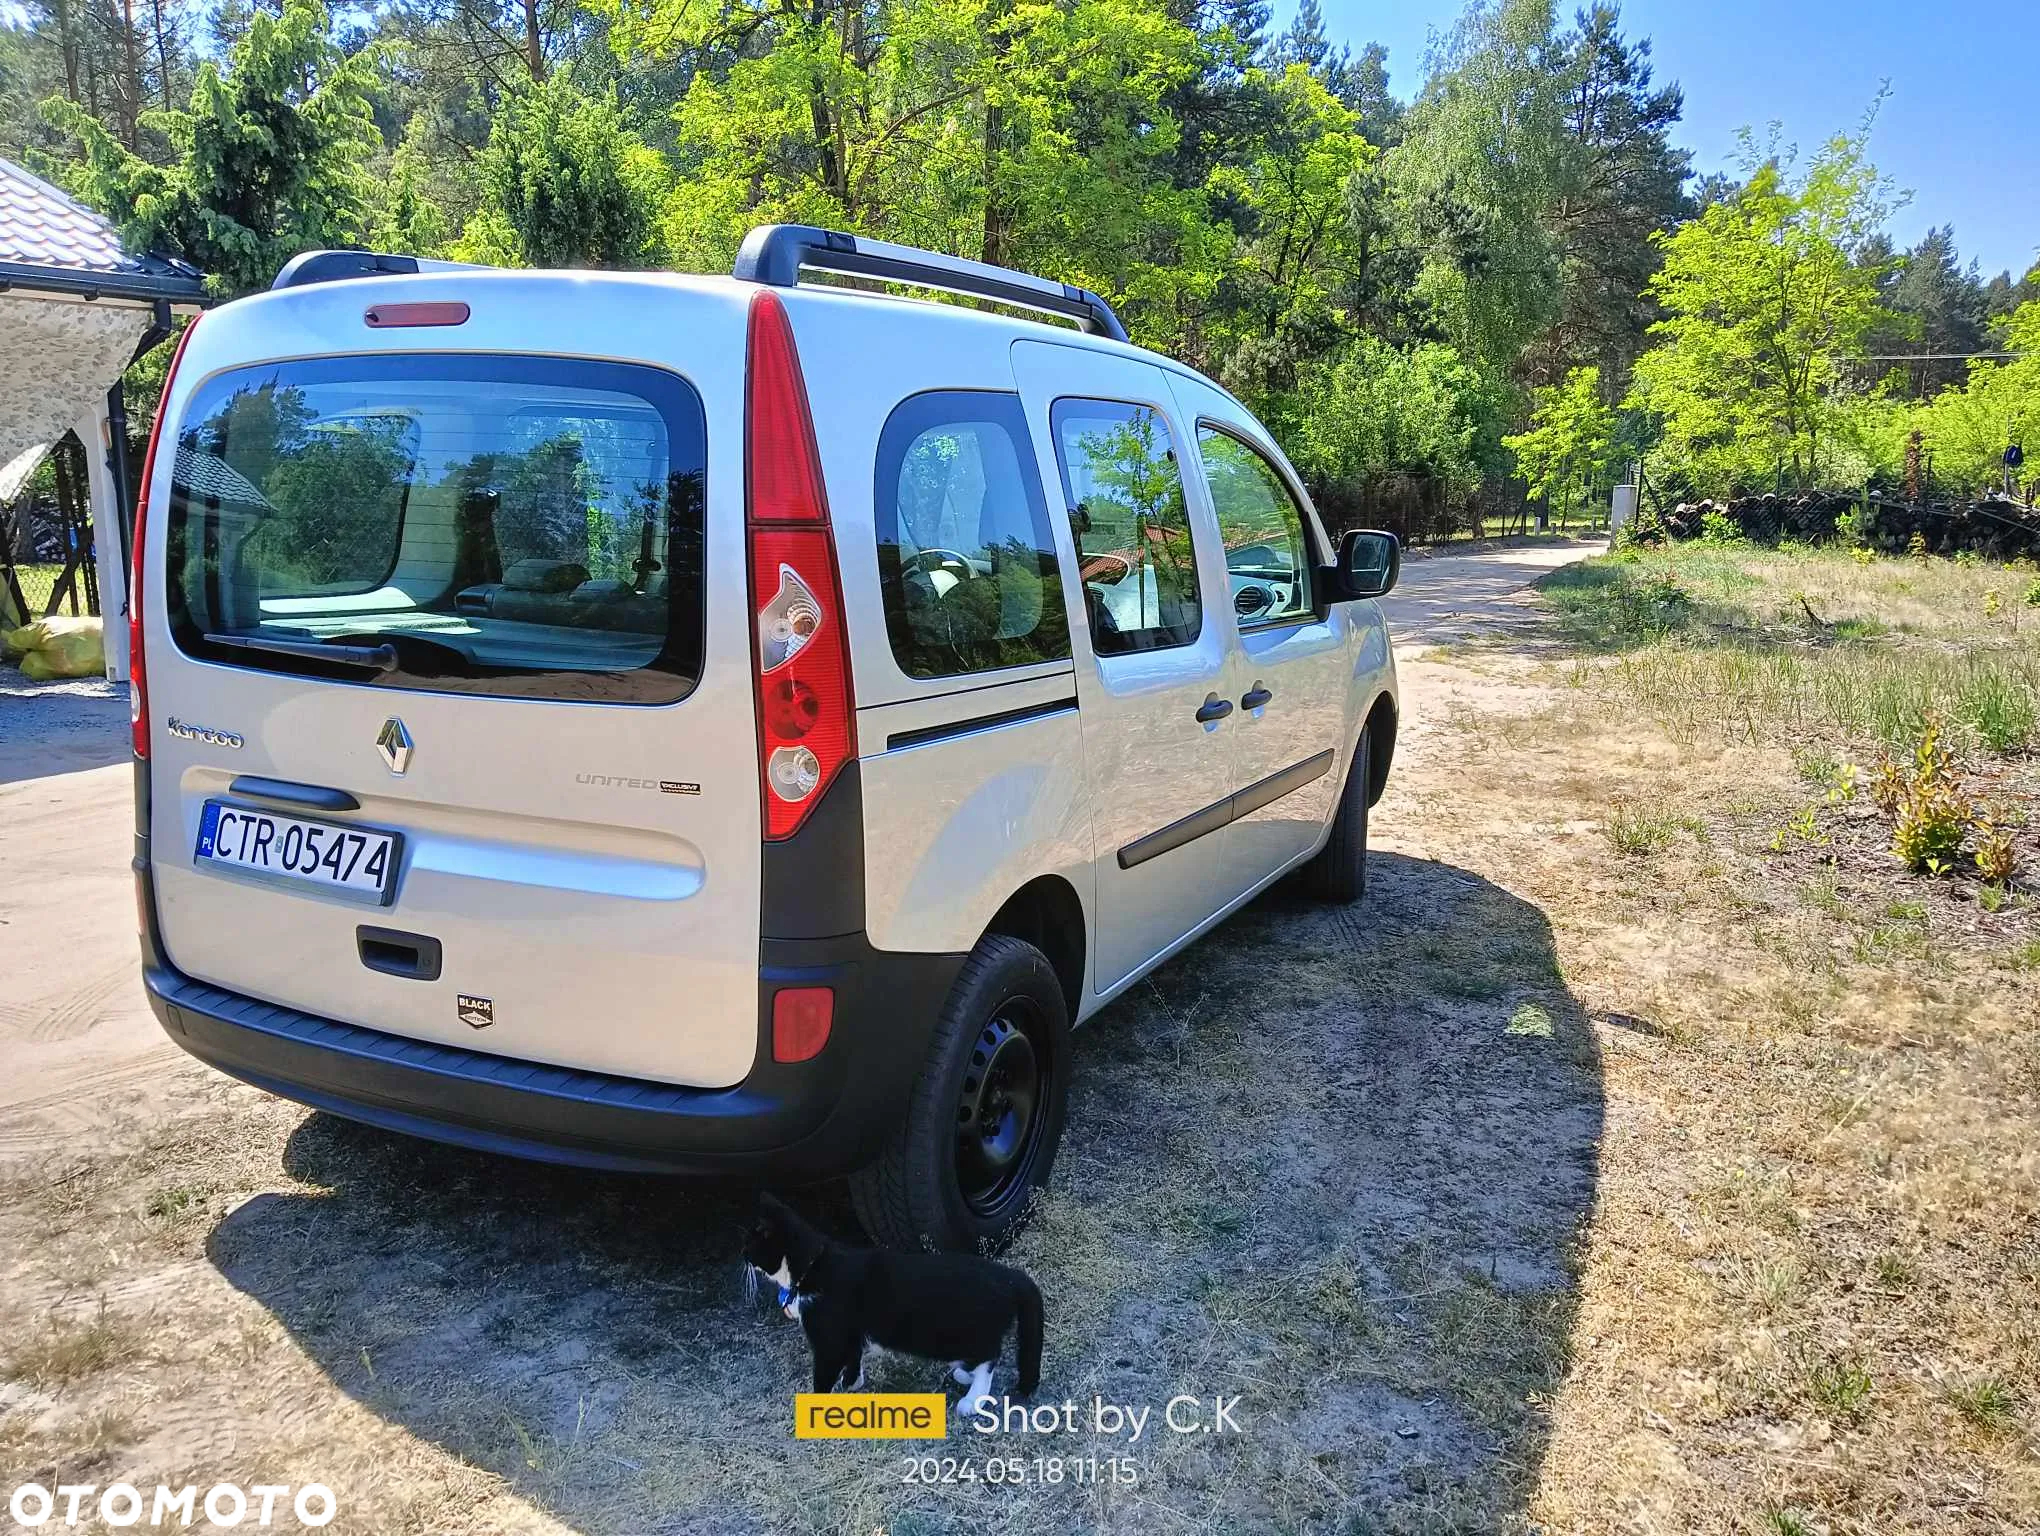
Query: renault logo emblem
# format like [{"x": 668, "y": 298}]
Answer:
[{"x": 394, "y": 743}]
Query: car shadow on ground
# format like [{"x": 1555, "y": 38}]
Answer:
[{"x": 1329, "y": 1162}]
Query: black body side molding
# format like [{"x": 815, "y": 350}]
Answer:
[
  {"x": 928, "y": 733},
  {"x": 1222, "y": 813}
]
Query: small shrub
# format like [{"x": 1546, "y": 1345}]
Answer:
[
  {"x": 1893, "y": 1272},
  {"x": 1997, "y": 860},
  {"x": 1933, "y": 817},
  {"x": 2033, "y": 593},
  {"x": 1718, "y": 528},
  {"x": 1991, "y": 898},
  {"x": 1863, "y": 554},
  {"x": 1817, "y": 765},
  {"x": 1993, "y": 600},
  {"x": 1887, "y": 785},
  {"x": 1916, "y": 546}
]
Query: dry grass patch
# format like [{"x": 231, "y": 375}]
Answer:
[{"x": 61, "y": 1352}]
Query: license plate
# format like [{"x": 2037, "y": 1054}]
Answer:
[{"x": 356, "y": 862}]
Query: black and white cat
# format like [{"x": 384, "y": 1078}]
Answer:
[{"x": 941, "y": 1306}]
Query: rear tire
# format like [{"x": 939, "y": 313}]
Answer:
[
  {"x": 1339, "y": 872},
  {"x": 986, "y": 1112}
]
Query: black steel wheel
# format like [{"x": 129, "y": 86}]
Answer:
[{"x": 998, "y": 1113}]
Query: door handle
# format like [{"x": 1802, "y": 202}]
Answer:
[
  {"x": 1256, "y": 696},
  {"x": 1213, "y": 708},
  {"x": 413, "y": 956}
]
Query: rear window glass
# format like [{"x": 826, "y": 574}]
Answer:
[
  {"x": 520, "y": 526},
  {"x": 966, "y": 562}
]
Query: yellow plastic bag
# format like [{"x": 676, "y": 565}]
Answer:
[{"x": 61, "y": 647}]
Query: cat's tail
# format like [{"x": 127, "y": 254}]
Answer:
[{"x": 1028, "y": 1345}]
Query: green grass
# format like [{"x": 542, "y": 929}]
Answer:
[
  {"x": 1839, "y": 1386},
  {"x": 1987, "y": 1403},
  {"x": 1806, "y": 647}
]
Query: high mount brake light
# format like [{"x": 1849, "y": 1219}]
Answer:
[
  {"x": 138, "y": 671},
  {"x": 388, "y": 316},
  {"x": 806, "y": 713}
]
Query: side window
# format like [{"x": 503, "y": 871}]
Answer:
[
  {"x": 966, "y": 564},
  {"x": 1130, "y": 523},
  {"x": 1267, "y": 555}
]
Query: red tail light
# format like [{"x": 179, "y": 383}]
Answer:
[
  {"x": 807, "y": 727},
  {"x": 138, "y": 676}
]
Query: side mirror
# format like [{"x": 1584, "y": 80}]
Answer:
[{"x": 1369, "y": 563}]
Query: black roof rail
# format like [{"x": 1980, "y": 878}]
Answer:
[
  {"x": 776, "y": 253},
  {"x": 333, "y": 266}
]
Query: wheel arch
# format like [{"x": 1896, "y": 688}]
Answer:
[
  {"x": 1047, "y": 913},
  {"x": 1381, "y": 742}
]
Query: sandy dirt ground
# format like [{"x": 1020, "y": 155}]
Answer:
[{"x": 1330, "y": 1163}]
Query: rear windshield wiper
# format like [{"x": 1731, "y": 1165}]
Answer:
[{"x": 370, "y": 658}]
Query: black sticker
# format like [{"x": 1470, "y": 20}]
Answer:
[
  {"x": 477, "y": 1012},
  {"x": 679, "y": 787}
]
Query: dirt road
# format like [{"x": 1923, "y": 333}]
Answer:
[{"x": 1308, "y": 1168}]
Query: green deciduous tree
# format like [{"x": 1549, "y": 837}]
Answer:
[
  {"x": 1026, "y": 133},
  {"x": 268, "y": 160},
  {"x": 1969, "y": 428},
  {"x": 1765, "y": 318},
  {"x": 1286, "y": 192},
  {"x": 1474, "y": 176},
  {"x": 1381, "y": 410},
  {"x": 1570, "y": 444}
]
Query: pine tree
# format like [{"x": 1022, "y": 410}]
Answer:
[
  {"x": 1946, "y": 303},
  {"x": 268, "y": 158},
  {"x": 566, "y": 184}
]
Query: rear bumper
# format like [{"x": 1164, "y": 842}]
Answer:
[{"x": 808, "y": 1120}]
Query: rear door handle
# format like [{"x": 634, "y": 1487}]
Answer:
[
  {"x": 1256, "y": 696},
  {"x": 413, "y": 956},
  {"x": 1213, "y": 708}
]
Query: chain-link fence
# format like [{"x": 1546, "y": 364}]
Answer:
[{"x": 46, "y": 558}]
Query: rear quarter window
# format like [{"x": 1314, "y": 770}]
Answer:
[{"x": 967, "y": 565}]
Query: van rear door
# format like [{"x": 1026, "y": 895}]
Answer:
[{"x": 435, "y": 746}]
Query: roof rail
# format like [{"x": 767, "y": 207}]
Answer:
[
  {"x": 332, "y": 266},
  {"x": 776, "y": 253}
]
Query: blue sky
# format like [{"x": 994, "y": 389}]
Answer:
[{"x": 1961, "y": 130}]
